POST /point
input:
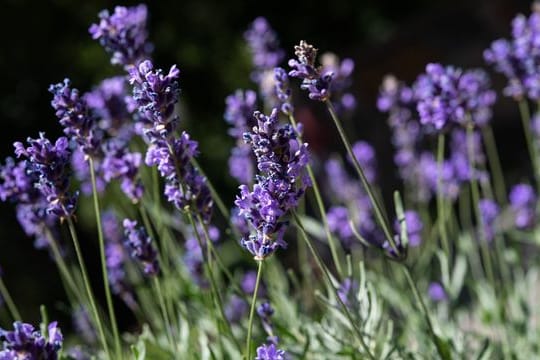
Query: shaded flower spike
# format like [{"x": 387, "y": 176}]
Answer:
[
  {"x": 281, "y": 160},
  {"x": 450, "y": 95},
  {"x": 523, "y": 205},
  {"x": 141, "y": 247},
  {"x": 344, "y": 100},
  {"x": 25, "y": 342},
  {"x": 123, "y": 34},
  {"x": 283, "y": 91},
  {"x": 73, "y": 113},
  {"x": 436, "y": 292},
  {"x": 270, "y": 352},
  {"x": 313, "y": 78},
  {"x": 50, "y": 164},
  {"x": 264, "y": 47},
  {"x": 489, "y": 210},
  {"x": 156, "y": 95}
]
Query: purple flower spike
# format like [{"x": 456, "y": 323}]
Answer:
[
  {"x": 283, "y": 91},
  {"x": 270, "y": 352},
  {"x": 365, "y": 154},
  {"x": 345, "y": 102},
  {"x": 281, "y": 159},
  {"x": 73, "y": 113},
  {"x": 313, "y": 80},
  {"x": 50, "y": 164},
  {"x": 123, "y": 34},
  {"x": 436, "y": 292},
  {"x": 141, "y": 247},
  {"x": 123, "y": 165},
  {"x": 29, "y": 343},
  {"x": 450, "y": 95},
  {"x": 523, "y": 204},
  {"x": 264, "y": 47}
]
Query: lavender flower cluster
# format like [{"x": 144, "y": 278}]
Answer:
[
  {"x": 25, "y": 342},
  {"x": 141, "y": 247},
  {"x": 281, "y": 159}
]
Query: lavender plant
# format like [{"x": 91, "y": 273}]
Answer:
[{"x": 445, "y": 270}]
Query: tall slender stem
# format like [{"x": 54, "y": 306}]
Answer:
[
  {"x": 9, "y": 301},
  {"x": 328, "y": 279},
  {"x": 88, "y": 288},
  {"x": 164, "y": 312},
  {"x": 101, "y": 240},
  {"x": 252, "y": 310},
  {"x": 443, "y": 353},
  {"x": 494, "y": 164},
  {"x": 322, "y": 211},
  {"x": 476, "y": 200},
  {"x": 526, "y": 122},
  {"x": 440, "y": 198},
  {"x": 379, "y": 213}
]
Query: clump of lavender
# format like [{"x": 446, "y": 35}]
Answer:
[
  {"x": 49, "y": 163},
  {"x": 264, "y": 46},
  {"x": 74, "y": 115},
  {"x": 281, "y": 160},
  {"x": 523, "y": 205},
  {"x": 489, "y": 210},
  {"x": 115, "y": 259},
  {"x": 449, "y": 95},
  {"x": 270, "y": 352},
  {"x": 519, "y": 58},
  {"x": 314, "y": 80},
  {"x": 265, "y": 312},
  {"x": 283, "y": 91},
  {"x": 25, "y": 342},
  {"x": 141, "y": 247},
  {"x": 123, "y": 34},
  {"x": 156, "y": 95},
  {"x": 113, "y": 106},
  {"x": 239, "y": 114},
  {"x": 17, "y": 186}
]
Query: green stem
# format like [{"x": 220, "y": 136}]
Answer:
[
  {"x": 252, "y": 310},
  {"x": 328, "y": 279},
  {"x": 164, "y": 312},
  {"x": 101, "y": 240},
  {"x": 443, "y": 353},
  {"x": 322, "y": 211},
  {"x": 379, "y": 214},
  {"x": 9, "y": 301},
  {"x": 476, "y": 200},
  {"x": 494, "y": 164},
  {"x": 88, "y": 288},
  {"x": 440, "y": 199},
  {"x": 526, "y": 122}
]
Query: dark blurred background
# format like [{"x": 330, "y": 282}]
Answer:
[{"x": 41, "y": 42}]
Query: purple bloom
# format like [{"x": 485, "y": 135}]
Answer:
[
  {"x": 460, "y": 158},
  {"x": 123, "y": 34},
  {"x": 270, "y": 352},
  {"x": 240, "y": 107},
  {"x": 450, "y": 95},
  {"x": 265, "y": 312},
  {"x": 263, "y": 44},
  {"x": 81, "y": 171},
  {"x": 523, "y": 205},
  {"x": 436, "y": 292},
  {"x": 281, "y": 159},
  {"x": 50, "y": 164},
  {"x": 115, "y": 255},
  {"x": 141, "y": 247},
  {"x": 341, "y": 82},
  {"x": 316, "y": 82},
  {"x": 111, "y": 103},
  {"x": 248, "y": 284},
  {"x": 25, "y": 342},
  {"x": 121, "y": 164},
  {"x": 519, "y": 58},
  {"x": 489, "y": 210},
  {"x": 283, "y": 91},
  {"x": 74, "y": 115},
  {"x": 365, "y": 154},
  {"x": 414, "y": 227},
  {"x": 241, "y": 164},
  {"x": 236, "y": 309}
]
